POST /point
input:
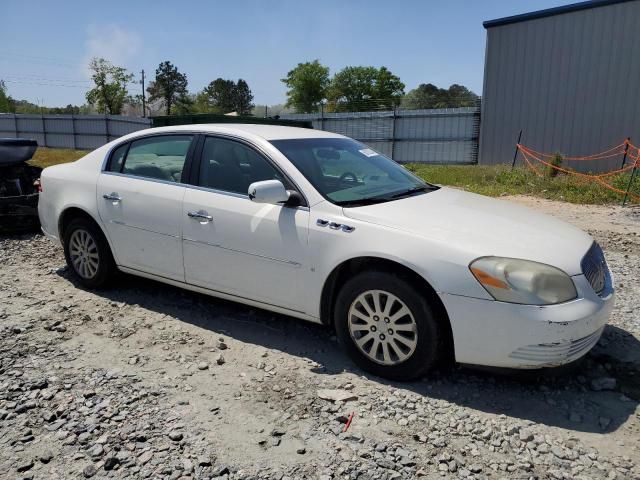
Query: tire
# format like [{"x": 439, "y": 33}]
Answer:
[
  {"x": 99, "y": 266},
  {"x": 417, "y": 340}
]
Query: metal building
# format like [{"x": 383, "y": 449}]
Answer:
[{"x": 568, "y": 77}]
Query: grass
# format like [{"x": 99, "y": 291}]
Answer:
[
  {"x": 491, "y": 180},
  {"x": 500, "y": 180},
  {"x": 46, "y": 157}
]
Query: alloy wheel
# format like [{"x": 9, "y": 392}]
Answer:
[
  {"x": 383, "y": 327},
  {"x": 83, "y": 251}
]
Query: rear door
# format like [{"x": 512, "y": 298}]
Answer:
[
  {"x": 140, "y": 202},
  {"x": 236, "y": 246}
]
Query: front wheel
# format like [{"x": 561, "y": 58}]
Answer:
[
  {"x": 386, "y": 326},
  {"x": 88, "y": 254}
]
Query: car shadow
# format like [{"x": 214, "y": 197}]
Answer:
[{"x": 561, "y": 397}]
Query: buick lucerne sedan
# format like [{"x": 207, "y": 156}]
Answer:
[{"x": 318, "y": 226}]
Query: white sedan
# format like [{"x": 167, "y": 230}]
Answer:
[{"x": 318, "y": 226}]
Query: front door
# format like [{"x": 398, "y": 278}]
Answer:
[
  {"x": 236, "y": 246},
  {"x": 140, "y": 203}
]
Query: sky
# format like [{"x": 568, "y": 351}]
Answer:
[{"x": 45, "y": 46}]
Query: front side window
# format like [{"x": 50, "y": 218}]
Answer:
[
  {"x": 349, "y": 173},
  {"x": 161, "y": 157},
  {"x": 232, "y": 166}
]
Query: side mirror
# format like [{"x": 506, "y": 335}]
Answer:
[{"x": 268, "y": 191}]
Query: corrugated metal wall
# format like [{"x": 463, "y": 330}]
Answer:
[
  {"x": 571, "y": 82},
  {"x": 447, "y": 135},
  {"x": 83, "y": 132}
]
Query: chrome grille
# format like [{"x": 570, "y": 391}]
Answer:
[{"x": 594, "y": 268}]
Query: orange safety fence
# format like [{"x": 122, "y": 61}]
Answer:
[{"x": 631, "y": 151}]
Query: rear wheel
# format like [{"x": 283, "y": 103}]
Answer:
[
  {"x": 386, "y": 326},
  {"x": 88, "y": 254}
]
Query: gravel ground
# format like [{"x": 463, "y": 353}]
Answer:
[{"x": 149, "y": 381}]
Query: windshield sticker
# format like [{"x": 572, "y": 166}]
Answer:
[{"x": 367, "y": 152}]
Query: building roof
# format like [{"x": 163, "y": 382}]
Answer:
[{"x": 574, "y": 7}]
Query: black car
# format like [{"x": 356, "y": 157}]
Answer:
[{"x": 19, "y": 185}]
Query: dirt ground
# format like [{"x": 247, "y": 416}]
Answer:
[{"x": 149, "y": 381}]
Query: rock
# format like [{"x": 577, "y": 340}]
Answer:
[
  {"x": 301, "y": 451},
  {"x": 203, "y": 366},
  {"x": 145, "y": 457},
  {"x": 278, "y": 432},
  {"x": 219, "y": 470},
  {"x": 220, "y": 360},
  {"x": 525, "y": 435},
  {"x": 336, "y": 395},
  {"x": 96, "y": 451},
  {"x": 89, "y": 471},
  {"x": 176, "y": 436},
  {"x": 111, "y": 462},
  {"x": 46, "y": 456},
  {"x": 24, "y": 465},
  {"x": 603, "y": 383},
  {"x": 221, "y": 345}
]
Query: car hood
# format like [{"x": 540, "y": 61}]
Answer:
[{"x": 482, "y": 226}]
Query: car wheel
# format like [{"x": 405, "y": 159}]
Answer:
[
  {"x": 386, "y": 326},
  {"x": 88, "y": 254}
]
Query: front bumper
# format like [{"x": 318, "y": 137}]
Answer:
[{"x": 498, "y": 334}]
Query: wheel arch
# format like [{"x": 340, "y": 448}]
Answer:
[
  {"x": 355, "y": 265},
  {"x": 71, "y": 212}
]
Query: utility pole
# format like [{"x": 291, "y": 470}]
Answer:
[{"x": 144, "y": 100}]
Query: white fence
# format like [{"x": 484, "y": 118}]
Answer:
[{"x": 83, "y": 132}]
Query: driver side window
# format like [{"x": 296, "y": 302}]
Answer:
[{"x": 231, "y": 166}]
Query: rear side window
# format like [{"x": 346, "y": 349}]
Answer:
[
  {"x": 161, "y": 157},
  {"x": 117, "y": 158}
]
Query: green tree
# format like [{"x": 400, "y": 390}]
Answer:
[
  {"x": 7, "y": 104},
  {"x": 243, "y": 98},
  {"x": 110, "y": 91},
  {"x": 429, "y": 96},
  {"x": 170, "y": 86},
  {"x": 307, "y": 86},
  {"x": 361, "y": 88},
  {"x": 221, "y": 95}
]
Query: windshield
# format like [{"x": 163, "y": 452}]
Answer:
[{"x": 349, "y": 173}]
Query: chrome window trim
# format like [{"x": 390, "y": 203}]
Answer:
[
  {"x": 148, "y": 179},
  {"x": 107, "y": 157}
]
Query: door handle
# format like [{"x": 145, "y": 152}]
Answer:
[
  {"x": 200, "y": 215},
  {"x": 113, "y": 196}
]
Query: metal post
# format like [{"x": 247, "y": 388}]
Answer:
[
  {"x": 266, "y": 111},
  {"x": 15, "y": 124},
  {"x": 44, "y": 129},
  {"x": 633, "y": 174},
  {"x": 321, "y": 116},
  {"x": 626, "y": 148},
  {"x": 515, "y": 154},
  {"x": 106, "y": 126},
  {"x": 73, "y": 131},
  {"x": 393, "y": 134},
  {"x": 144, "y": 99}
]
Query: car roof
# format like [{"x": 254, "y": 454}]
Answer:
[{"x": 267, "y": 132}]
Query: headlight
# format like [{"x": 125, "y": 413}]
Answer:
[{"x": 522, "y": 281}]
